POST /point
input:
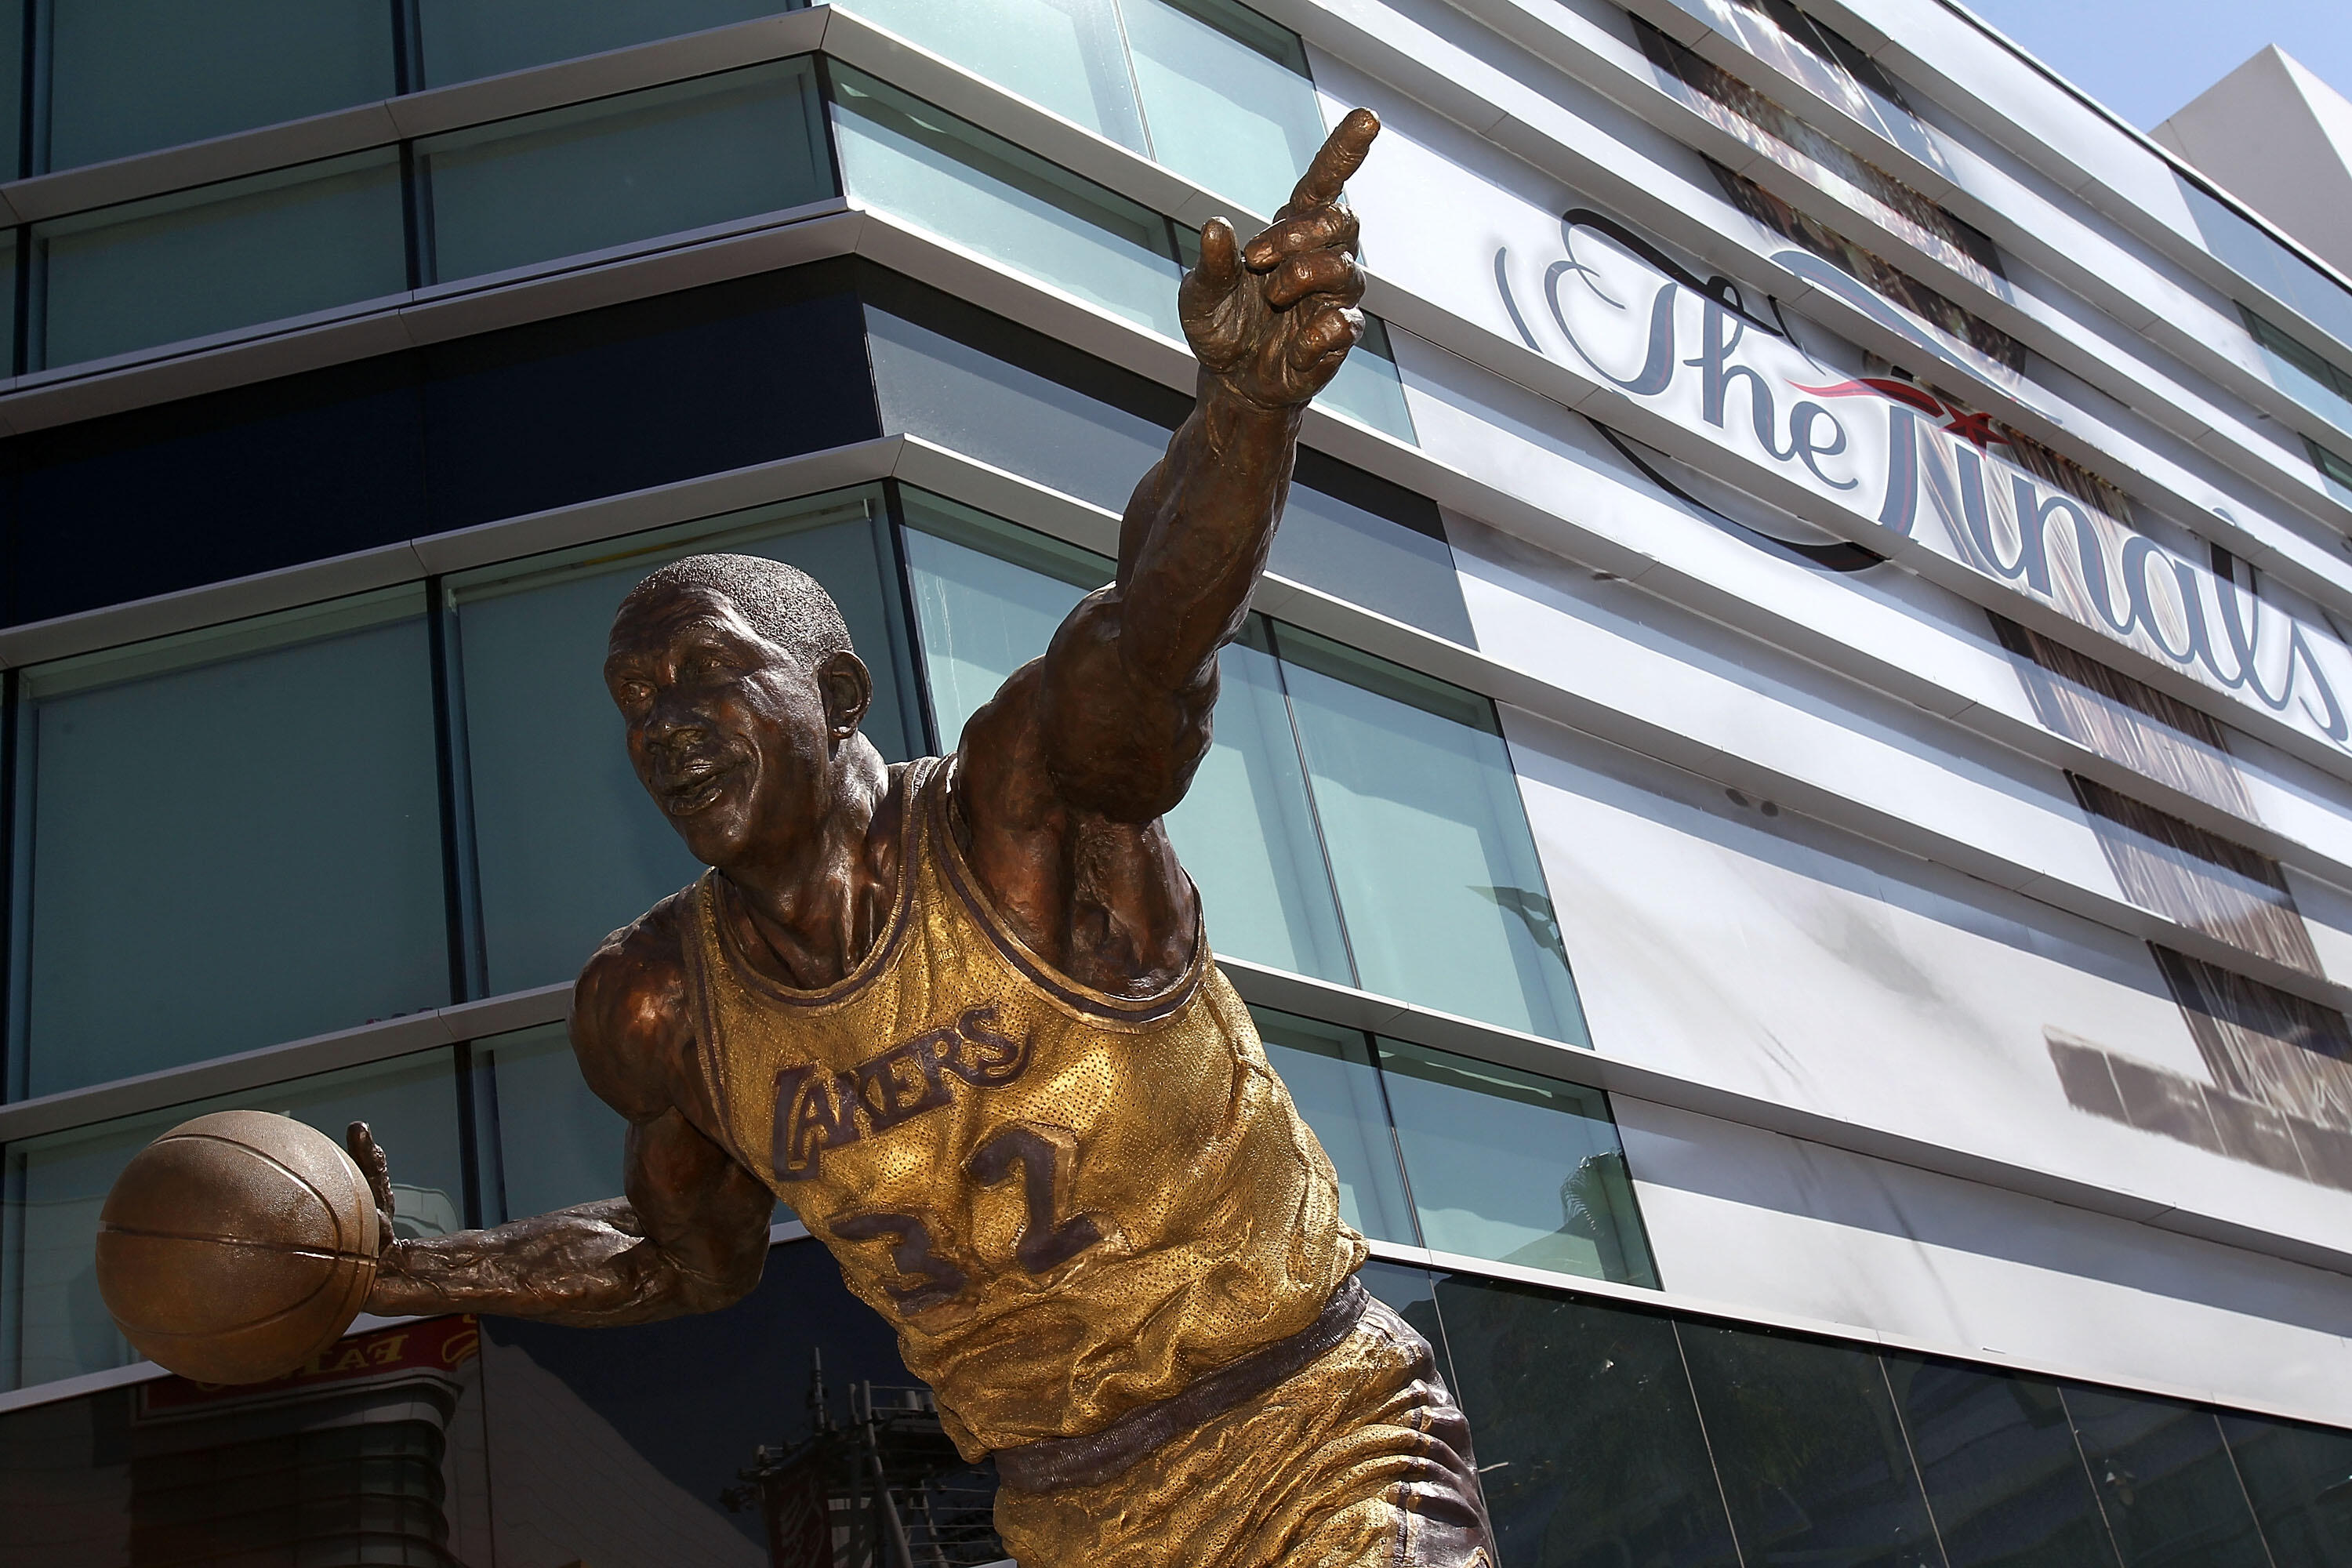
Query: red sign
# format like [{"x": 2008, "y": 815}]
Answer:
[{"x": 436, "y": 1344}]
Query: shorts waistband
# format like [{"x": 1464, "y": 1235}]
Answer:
[{"x": 1055, "y": 1462}]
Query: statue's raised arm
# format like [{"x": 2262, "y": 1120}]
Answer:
[{"x": 1065, "y": 776}]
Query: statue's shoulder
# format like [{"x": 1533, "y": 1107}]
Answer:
[{"x": 630, "y": 1004}]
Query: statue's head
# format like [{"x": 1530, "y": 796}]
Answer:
[{"x": 741, "y": 695}]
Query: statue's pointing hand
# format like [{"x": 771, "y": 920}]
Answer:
[{"x": 1274, "y": 318}]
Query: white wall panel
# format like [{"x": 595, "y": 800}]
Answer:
[{"x": 1773, "y": 955}]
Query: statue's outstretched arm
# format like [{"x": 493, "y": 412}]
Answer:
[
  {"x": 1126, "y": 689},
  {"x": 690, "y": 1235}
]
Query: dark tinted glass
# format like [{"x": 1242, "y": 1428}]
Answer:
[
  {"x": 466, "y": 39},
  {"x": 2171, "y": 1494},
  {"x": 1813, "y": 1457},
  {"x": 1589, "y": 1446},
  {"x": 128, "y": 75},
  {"x": 642, "y": 395},
  {"x": 496, "y": 425},
  {"x": 619, "y": 1445},
  {"x": 2004, "y": 1480},
  {"x": 214, "y": 488},
  {"x": 2300, "y": 1481}
]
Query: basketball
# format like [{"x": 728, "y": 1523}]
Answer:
[{"x": 236, "y": 1247}]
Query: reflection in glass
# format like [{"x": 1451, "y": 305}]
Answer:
[
  {"x": 1513, "y": 1167},
  {"x": 1438, "y": 877},
  {"x": 371, "y": 1454},
  {"x": 1589, "y": 1448},
  {"x": 52, "y": 1323},
  {"x": 629, "y": 1445},
  {"x": 548, "y": 1141},
  {"x": 1226, "y": 97},
  {"x": 625, "y": 169},
  {"x": 1063, "y": 54},
  {"x": 1333, "y": 1082},
  {"x": 1367, "y": 388},
  {"x": 983, "y": 405},
  {"x": 125, "y": 76},
  {"x": 1245, "y": 831},
  {"x": 1078, "y": 426},
  {"x": 2004, "y": 1480},
  {"x": 218, "y": 258},
  {"x": 466, "y": 39},
  {"x": 1812, "y": 1460},
  {"x": 227, "y": 839},
  {"x": 2166, "y": 1481},
  {"x": 2299, "y": 1480},
  {"x": 903, "y": 157},
  {"x": 1372, "y": 543},
  {"x": 570, "y": 847},
  {"x": 982, "y": 613}
]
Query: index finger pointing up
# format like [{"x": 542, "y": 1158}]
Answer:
[{"x": 1341, "y": 155}]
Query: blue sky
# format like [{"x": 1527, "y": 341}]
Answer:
[{"x": 2144, "y": 58}]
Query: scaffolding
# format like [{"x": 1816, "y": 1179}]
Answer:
[{"x": 883, "y": 1488}]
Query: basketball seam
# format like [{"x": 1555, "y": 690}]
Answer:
[{"x": 282, "y": 1249}]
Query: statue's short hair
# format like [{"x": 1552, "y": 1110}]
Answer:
[{"x": 783, "y": 604}]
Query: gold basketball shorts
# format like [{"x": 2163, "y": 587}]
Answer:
[{"x": 1339, "y": 1447}]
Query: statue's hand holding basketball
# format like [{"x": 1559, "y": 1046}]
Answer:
[
  {"x": 239, "y": 1245},
  {"x": 369, "y": 1157},
  {"x": 1273, "y": 320}
]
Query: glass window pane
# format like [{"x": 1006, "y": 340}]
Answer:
[
  {"x": 988, "y": 596},
  {"x": 902, "y": 156},
  {"x": 2238, "y": 243},
  {"x": 550, "y": 1141},
  {"x": 52, "y": 1323},
  {"x": 1372, "y": 543},
  {"x": 1063, "y": 54},
  {"x": 2300, "y": 1481},
  {"x": 1332, "y": 1080},
  {"x": 232, "y": 838},
  {"x": 570, "y": 847},
  {"x": 1588, "y": 1446},
  {"x": 1812, "y": 1456},
  {"x": 467, "y": 39},
  {"x": 128, "y": 75},
  {"x": 546, "y": 1141},
  {"x": 2004, "y": 1480},
  {"x": 218, "y": 258},
  {"x": 1078, "y": 426},
  {"x": 1225, "y": 96},
  {"x": 2171, "y": 1495},
  {"x": 983, "y": 405},
  {"x": 1367, "y": 389},
  {"x": 1443, "y": 898},
  {"x": 625, "y": 169},
  {"x": 1244, "y": 832},
  {"x": 621, "y": 1445},
  {"x": 1510, "y": 1166}
]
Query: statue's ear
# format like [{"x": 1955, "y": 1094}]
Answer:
[{"x": 848, "y": 689}]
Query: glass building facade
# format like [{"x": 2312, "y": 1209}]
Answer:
[{"x": 1578, "y": 783}]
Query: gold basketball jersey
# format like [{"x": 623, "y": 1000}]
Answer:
[{"x": 1069, "y": 1203}]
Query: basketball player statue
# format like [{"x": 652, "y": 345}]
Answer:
[{"x": 961, "y": 1014}]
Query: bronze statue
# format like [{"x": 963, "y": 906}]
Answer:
[{"x": 961, "y": 1014}]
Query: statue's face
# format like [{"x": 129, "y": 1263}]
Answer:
[{"x": 729, "y": 733}]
